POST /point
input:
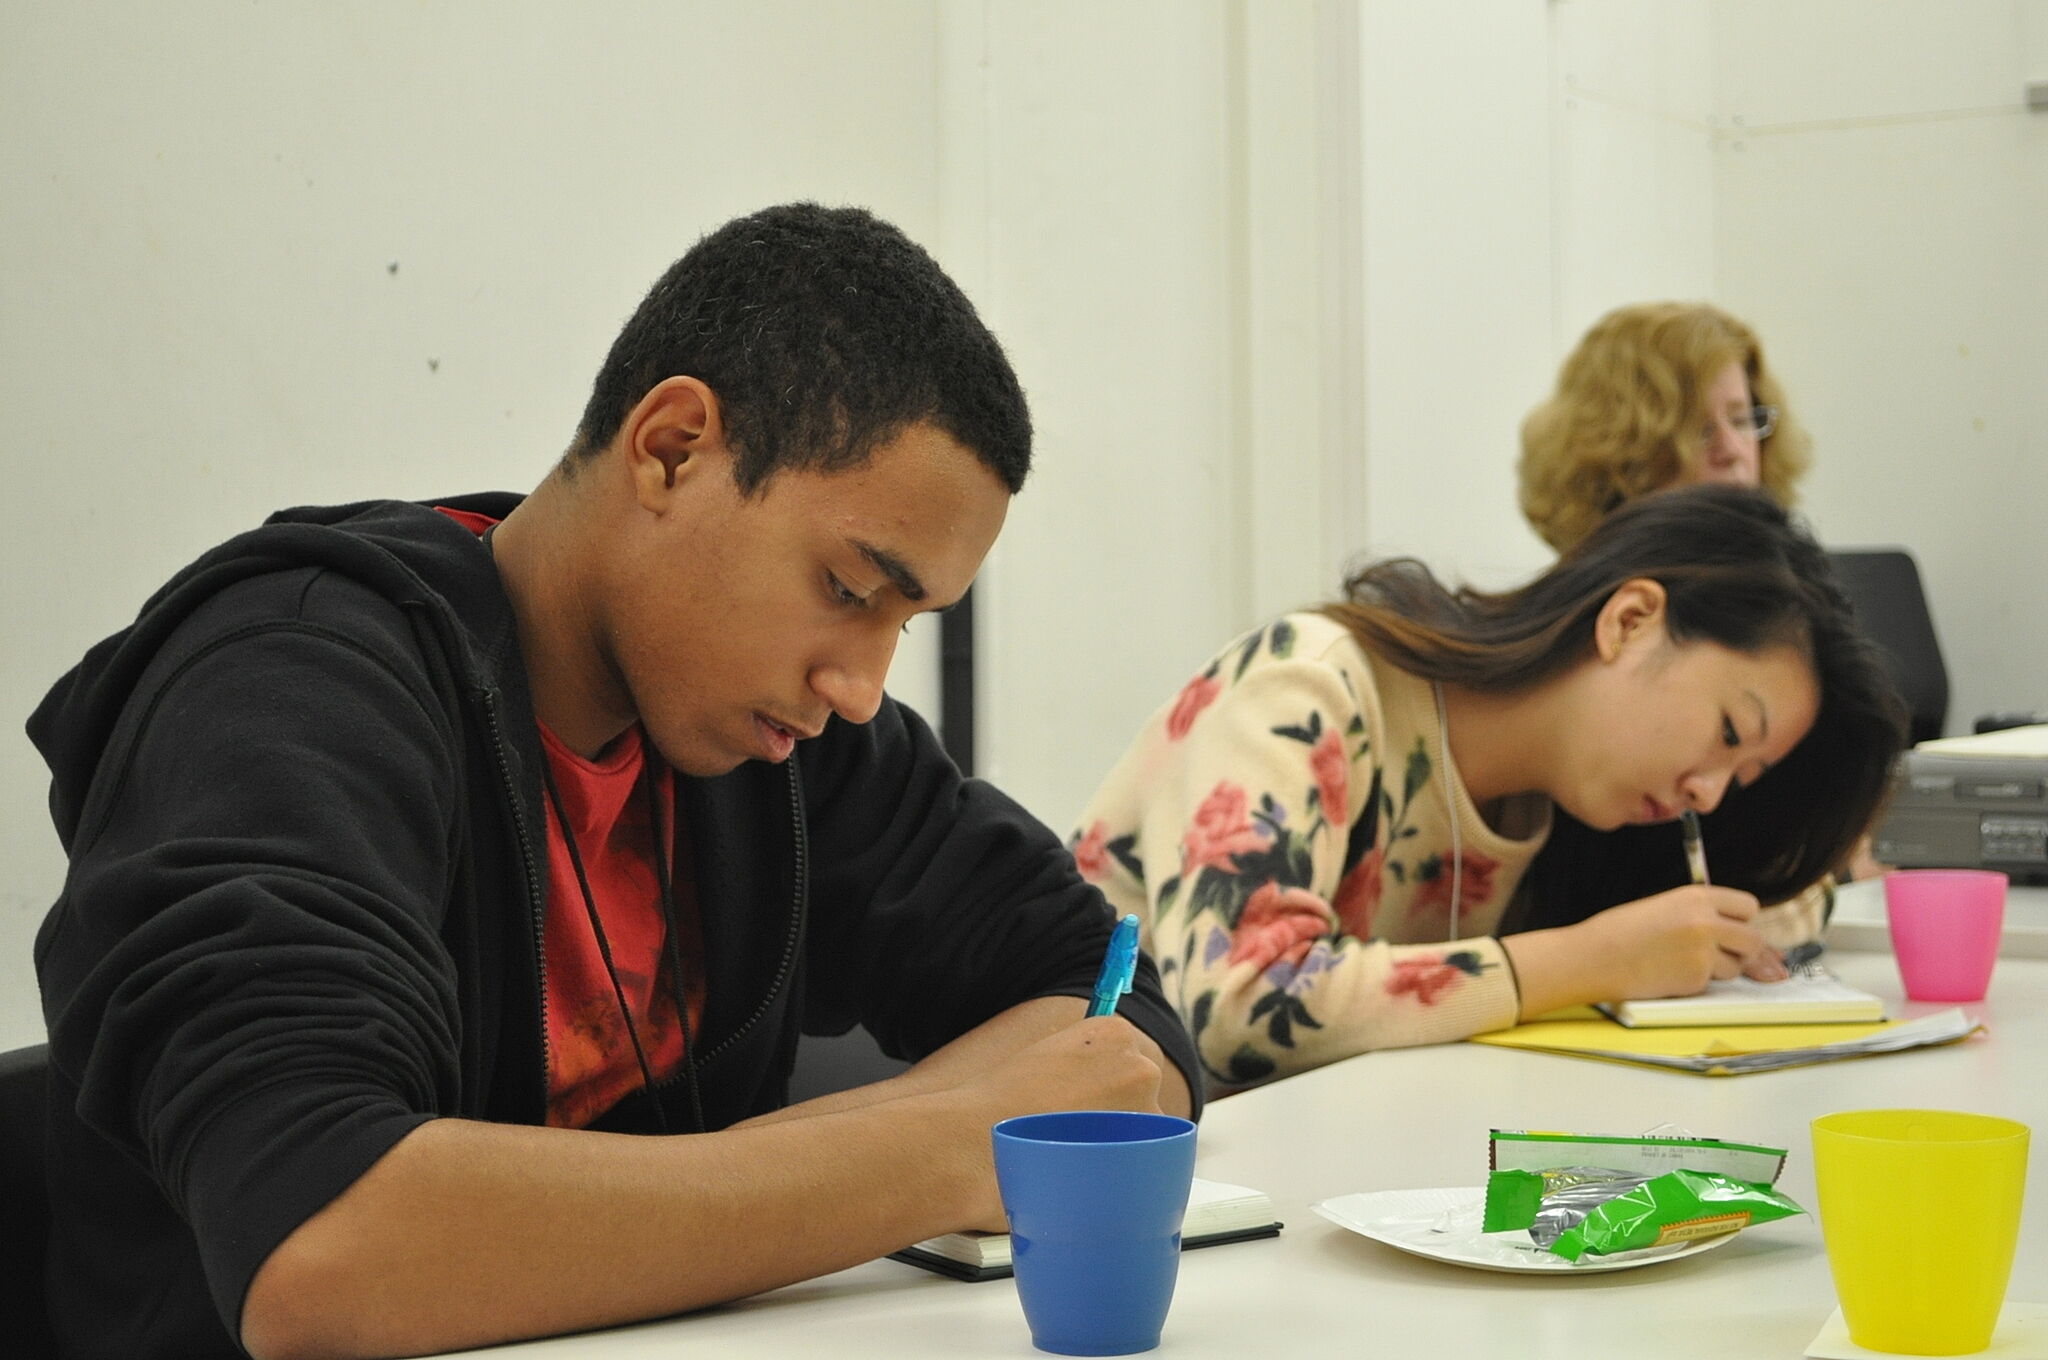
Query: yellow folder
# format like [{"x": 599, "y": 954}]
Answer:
[{"x": 1724, "y": 1050}]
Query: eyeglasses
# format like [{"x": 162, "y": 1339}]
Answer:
[{"x": 1757, "y": 422}]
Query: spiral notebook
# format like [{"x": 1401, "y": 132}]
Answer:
[
  {"x": 1217, "y": 1213},
  {"x": 1811, "y": 996}
]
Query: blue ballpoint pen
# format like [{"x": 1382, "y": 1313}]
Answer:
[{"x": 1119, "y": 965}]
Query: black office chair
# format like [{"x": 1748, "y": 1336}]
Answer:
[
  {"x": 826, "y": 1063},
  {"x": 24, "y": 1201},
  {"x": 1883, "y": 585}
]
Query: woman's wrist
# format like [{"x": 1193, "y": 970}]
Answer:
[{"x": 1551, "y": 967}]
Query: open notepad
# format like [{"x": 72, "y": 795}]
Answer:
[
  {"x": 1811, "y": 996},
  {"x": 1217, "y": 1213}
]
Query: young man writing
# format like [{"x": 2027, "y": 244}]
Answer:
[{"x": 422, "y": 855}]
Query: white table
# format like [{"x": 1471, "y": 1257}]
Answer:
[{"x": 1419, "y": 1118}]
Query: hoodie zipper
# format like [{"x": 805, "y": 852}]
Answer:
[
  {"x": 800, "y": 847},
  {"x": 536, "y": 901}
]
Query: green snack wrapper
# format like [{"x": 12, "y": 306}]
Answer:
[
  {"x": 1512, "y": 1198},
  {"x": 1648, "y": 1154},
  {"x": 1548, "y": 1202},
  {"x": 1674, "y": 1207}
]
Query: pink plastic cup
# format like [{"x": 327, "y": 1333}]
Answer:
[{"x": 1945, "y": 925}]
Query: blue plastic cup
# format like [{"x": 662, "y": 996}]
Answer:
[{"x": 1095, "y": 1199}]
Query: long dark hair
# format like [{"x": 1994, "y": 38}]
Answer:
[{"x": 1736, "y": 571}]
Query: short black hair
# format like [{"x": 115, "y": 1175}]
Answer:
[{"x": 825, "y": 332}]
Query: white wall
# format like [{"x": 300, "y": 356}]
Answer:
[
  {"x": 1281, "y": 278},
  {"x": 1160, "y": 279},
  {"x": 1633, "y": 122},
  {"x": 1882, "y": 197},
  {"x": 1526, "y": 168},
  {"x": 1458, "y": 281},
  {"x": 1858, "y": 178},
  {"x": 1116, "y": 302},
  {"x": 199, "y": 208}
]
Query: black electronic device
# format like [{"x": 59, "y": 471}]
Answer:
[{"x": 1958, "y": 808}]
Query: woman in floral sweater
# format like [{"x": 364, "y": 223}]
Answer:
[{"x": 1325, "y": 830}]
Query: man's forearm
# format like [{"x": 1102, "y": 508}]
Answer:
[
  {"x": 1025, "y": 1024},
  {"x": 465, "y": 1234},
  {"x": 468, "y": 1233},
  {"x": 975, "y": 1051}
]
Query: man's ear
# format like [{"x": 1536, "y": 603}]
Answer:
[
  {"x": 672, "y": 433},
  {"x": 1632, "y": 614}
]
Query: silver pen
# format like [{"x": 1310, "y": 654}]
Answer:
[
  {"x": 1796, "y": 957},
  {"x": 1695, "y": 853}
]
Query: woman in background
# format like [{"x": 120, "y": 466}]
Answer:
[
  {"x": 1324, "y": 832},
  {"x": 1656, "y": 395}
]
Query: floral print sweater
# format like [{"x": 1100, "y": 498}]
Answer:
[{"x": 1282, "y": 828}]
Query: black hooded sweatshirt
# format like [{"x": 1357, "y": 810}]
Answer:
[{"x": 301, "y": 800}]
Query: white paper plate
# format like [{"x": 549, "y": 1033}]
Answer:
[{"x": 1444, "y": 1226}]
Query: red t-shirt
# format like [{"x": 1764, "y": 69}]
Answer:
[{"x": 591, "y": 1066}]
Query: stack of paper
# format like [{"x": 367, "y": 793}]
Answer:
[
  {"x": 2031, "y": 740},
  {"x": 1731, "y": 1050}
]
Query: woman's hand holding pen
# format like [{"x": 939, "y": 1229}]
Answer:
[
  {"x": 1672, "y": 944},
  {"x": 1675, "y": 943}
]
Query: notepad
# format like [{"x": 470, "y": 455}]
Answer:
[
  {"x": 1811, "y": 996},
  {"x": 1217, "y": 1213}
]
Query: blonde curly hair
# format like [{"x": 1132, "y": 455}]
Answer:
[{"x": 1626, "y": 416}]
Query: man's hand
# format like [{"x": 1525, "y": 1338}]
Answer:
[
  {"x": 975, "y": 1054},
  {"x": 1094, "y": 1064},
  {"x": 1041, "y": 1056}
]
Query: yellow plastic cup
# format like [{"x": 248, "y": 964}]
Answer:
[{"x": 1921, "y": 1213}]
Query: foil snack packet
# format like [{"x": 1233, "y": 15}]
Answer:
[{"x": 1576, "y": 1195}]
